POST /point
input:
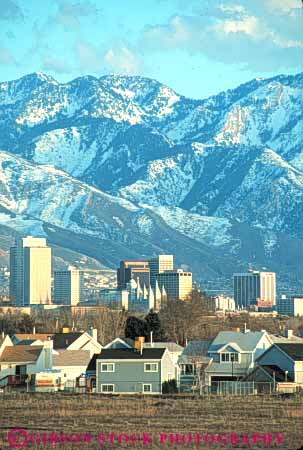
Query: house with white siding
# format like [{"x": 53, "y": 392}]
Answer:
[{"x": 17, "y": 363}]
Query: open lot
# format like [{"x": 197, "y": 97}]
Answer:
[{"x": 85, "y": 416}]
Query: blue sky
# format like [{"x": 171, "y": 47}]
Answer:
[{"x": 197, "y": 47}]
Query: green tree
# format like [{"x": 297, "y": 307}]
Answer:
[
  {"x": 135, "y": 327},
  {"x": 153, "y": 324}
]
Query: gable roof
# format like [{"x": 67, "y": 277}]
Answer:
[
  {"x": 92, "y": 364},
  {"x": 29, "y": 342},
  {"x": 64, "y": 340},
  {"x": 71, "y": 358},
  {"x": 121, "y": 353},
  {"x": 293, "y": 350},
  {"x": 232, "y": 345},
  {"x": 197, "y": 348},
  {"x": 35, "y": 337},
  {"x": 171, "y": 346},
  {"x": 119, "y": 343},
  {"x": 277, "y": 339},
  {"x": 21, "y": 354},
  {"x": 246, "y": 341}
]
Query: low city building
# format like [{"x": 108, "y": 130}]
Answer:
[{"x": 290, "y": 306}]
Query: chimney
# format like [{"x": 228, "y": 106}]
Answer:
[
  {"x": 48, "y": 354},
  {"x": 289, "y": 334},
  {"x": 34, "y": 330},
  {"x": 139, "y": 343},
  {"x": 93, "y": 332},
  {"x": 246, "y": 330}
]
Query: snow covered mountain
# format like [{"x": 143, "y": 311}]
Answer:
[{"x": 125, "y": 160}]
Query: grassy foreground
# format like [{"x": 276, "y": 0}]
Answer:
[{"x": 83, "y": 417}]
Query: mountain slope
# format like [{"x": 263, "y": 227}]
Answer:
[{"x": 218, "y": 181}]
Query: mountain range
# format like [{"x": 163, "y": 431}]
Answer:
[{"x": 124, "y": 167}]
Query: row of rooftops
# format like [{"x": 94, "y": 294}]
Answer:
[{"x": 24, "y": 350}]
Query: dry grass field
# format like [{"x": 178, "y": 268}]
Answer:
[{"x": 41, "y": 414}]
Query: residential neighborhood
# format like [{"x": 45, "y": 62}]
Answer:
[{"x": 239, "y": 361}]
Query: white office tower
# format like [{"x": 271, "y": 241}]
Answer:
[
  {"x": 30, "y": 272},
  {"x": 160, "y": 264},
  {"x": 68, "y": 287}
]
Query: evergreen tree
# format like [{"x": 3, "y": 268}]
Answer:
[
  {"x": 153, "y": 324},
  {"x": 135, "y": 327}
]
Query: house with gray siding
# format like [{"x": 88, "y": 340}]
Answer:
[
  {"x": 281, "y": 362},
  {"x": 192, "y": 363},
  {"x": 234, "y": 354},
  {"x": 131, "y": 371}
]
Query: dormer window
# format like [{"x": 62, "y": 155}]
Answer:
[{"x": 229, "y": 357}]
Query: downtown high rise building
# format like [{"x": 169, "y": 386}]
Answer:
[
  {"x": 253, "y": 288},
  {"x": 177, "y": 284},
  {"x": 133, "y": 270},
  {"x": 30, "y": 272},
  {"x": 158, "y": 265},
  {"x": 68, "y": 287}
]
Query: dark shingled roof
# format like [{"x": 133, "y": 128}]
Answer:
[
  {"x": 121, "y": 353},
  {"x": 64, "y": 340},
  {"x": 92, "y": 364},
  {"x": 27, "y": 341},
  {"x": 294, "y": 350}
]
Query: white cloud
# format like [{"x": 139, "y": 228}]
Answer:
[
  {"x": 262, "y": 35},
  {"x": 70, "y": 13},
  {"x": 122, "y": 60}
]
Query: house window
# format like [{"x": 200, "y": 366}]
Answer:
[
  {"x": 107, "y": 388},
  {"x": 107, "y": 367},
  {"x": 147, "y": 388},
  {"x": 188, "y": 369},
  {"x": 151, "y": 367},
  {"x": 229, "y": 357}
]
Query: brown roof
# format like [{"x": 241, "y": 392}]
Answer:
[
  {"x": 71, "y": 358},
  {"x": 21, "y": 354},
  {"x": 40, "y": 336}
]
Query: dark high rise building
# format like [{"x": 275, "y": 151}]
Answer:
[
  {"x": 129, "y": 270},
  {"x": 251, "y": 287}
]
